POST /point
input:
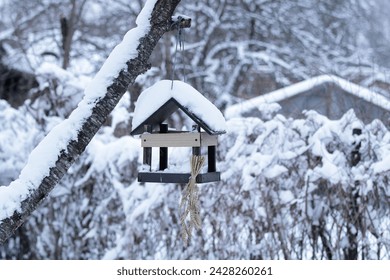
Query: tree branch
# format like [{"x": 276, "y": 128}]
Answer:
[{"x": 160, "y": 22}]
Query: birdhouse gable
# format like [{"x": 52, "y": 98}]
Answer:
[{"x": 159, "y": 101}]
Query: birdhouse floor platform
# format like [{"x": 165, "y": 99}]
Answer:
[{"x": 164, "y": 177}]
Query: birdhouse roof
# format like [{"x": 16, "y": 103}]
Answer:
[{"x": 159, "y": 101}]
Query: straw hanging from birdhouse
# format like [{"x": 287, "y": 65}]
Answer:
[{"x": 190, "y": 201}]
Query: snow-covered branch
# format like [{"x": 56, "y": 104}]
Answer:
[{"x": 51, "y": 159}]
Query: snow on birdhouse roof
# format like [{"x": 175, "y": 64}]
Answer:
[
  {"x": 158, "y": 102},
  {"x": 305, "y": 86}
]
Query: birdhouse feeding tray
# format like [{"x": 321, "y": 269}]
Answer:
[{"x": 153, "y": 107}]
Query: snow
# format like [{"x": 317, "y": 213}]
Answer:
[
  {"x": 146, "y": 12},
  {"x": 123, "y": 52},
  {"x": 329, "y": 171},
  {"x": 286, "y": 196},
  {"x": 381, "y": 166},
  {"x": 290, "y": 91},
  {"x": 103, "y": 155},
  {"x": 157, "y": 95},
  {"x": 156, "y": 194},
  {"x": 4, "y": 34},
  {"x": 45, "y": 155},
  {"x": 274, "y": 171},
  {"x": 52, "y": 71}
]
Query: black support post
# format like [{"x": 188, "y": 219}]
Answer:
[
  {"x": 211, "y": 159},
  {"x": 163, "y": 150}
]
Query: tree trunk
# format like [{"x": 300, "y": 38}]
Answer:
[{"x": 161, "y": 22}]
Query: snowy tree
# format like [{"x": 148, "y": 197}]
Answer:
[
  {"x": 69, "y": 139},
  {"x": 240, "y": 49}
]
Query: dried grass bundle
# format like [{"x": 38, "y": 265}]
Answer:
[{"x": 189, "y": 204}]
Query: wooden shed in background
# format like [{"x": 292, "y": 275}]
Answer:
[{"x": 328, "y": 95}]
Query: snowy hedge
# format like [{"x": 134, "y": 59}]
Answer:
[
  {"x": 290, "y": 189},
  {"x": 294, "y": 190}
]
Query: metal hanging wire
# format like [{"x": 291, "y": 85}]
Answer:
[{"x": 178, "y": 47}]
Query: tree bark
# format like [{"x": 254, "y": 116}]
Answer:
[{"x": 161, "y": 22}]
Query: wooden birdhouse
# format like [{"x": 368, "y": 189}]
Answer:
[{"x": 153, "y": 107}]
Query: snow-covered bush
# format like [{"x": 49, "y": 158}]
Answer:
[
  {"x": 291, "y": 189},
  {"x": 18, "y": 136},
  {"x": 305, "y": 188},
  {"x": 58, "y": 94}
]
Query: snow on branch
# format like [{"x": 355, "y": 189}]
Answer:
[{"x": 59, "y": 149}]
